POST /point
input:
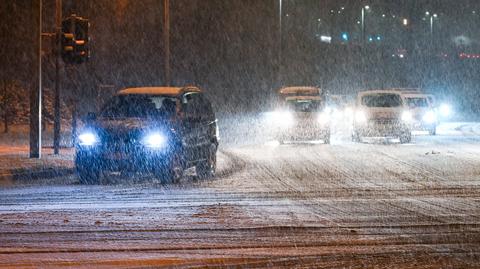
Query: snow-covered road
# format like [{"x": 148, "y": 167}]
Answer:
[{"x": 342, "y": 205}]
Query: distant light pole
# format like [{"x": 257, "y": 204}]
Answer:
[
  {"x": 364, "y": 9},
  {"x": 280, "y": 43}
]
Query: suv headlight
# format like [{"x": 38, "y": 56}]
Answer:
[
  {"x": 323, "y": 117},
  {"x": 407, "y": 116},
  {"x": 155, "y": 140},
  {"x": 88, "y": 138},
  {"x": 430, "y": 117}
]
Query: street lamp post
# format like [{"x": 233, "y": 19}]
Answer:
[
  {"x": 364, "y": 9},
  {"x": 280, "y": 43},
  {"x": 166, "y": 36}
]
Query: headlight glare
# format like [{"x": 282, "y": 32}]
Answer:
[
  {"x": 430, "y": 117},
  {"x": 155, "y": 140},
  {"x": 280, "y": 118},
  {"x": 360, "y": 116},
  {"x": 445, "y": 110},
  {"x": 407, "y": 116},
  {"x": 88, "y": 139},
  {"x": 323, "y": 118}
]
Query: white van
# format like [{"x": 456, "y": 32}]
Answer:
[
  {"x": 382, "y": 113},
  {"x": 421, "y": 106}
]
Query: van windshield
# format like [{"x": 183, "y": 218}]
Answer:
[
  {"x": 417, "y": 102},
  {"x": 304, "y": 105},
  {"x": 382, "y": 100},
  {"x": 139, "y": 106}
]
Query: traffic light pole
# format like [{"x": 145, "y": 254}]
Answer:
[
  {"x": 56, "y": 120},
  {"x": 36, "y": 97},
  {"x": 166, "y": 36}
]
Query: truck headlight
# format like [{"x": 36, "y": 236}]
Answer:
[
  {"x": 155, "y": 140},
  {"x": 407, "y": 116},
  {"x": 430, "y": 117},
  {"x": 280, "y": 118},
  {"x": 88, "y": 138}
]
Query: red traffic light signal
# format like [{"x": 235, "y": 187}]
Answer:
[{"x": 75, "y": 47}]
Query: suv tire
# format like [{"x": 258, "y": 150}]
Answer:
[
  {"x": 172, "y": 170},
  {"x": 88, "y": 175},
  {"x": 206, "y": 169}
]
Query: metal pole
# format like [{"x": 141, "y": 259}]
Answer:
[
  {"x": 363, "y": 25},
  {"x": 36, "y": 98},
  {"x": 57, "y": 122},
  {"x": 280, "y": 42},
  {"x": 166, "y": 36}
]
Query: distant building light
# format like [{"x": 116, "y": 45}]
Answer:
[
  {"x": 326, "y": 39},
  {"x": 401, "y": 56},
  {"x": 435, "y": 15},
  {"x": 345, "y": 36},
  {"x": 379, "y": 38},
  {"x": 358, "y": 22},
  {"x": 367, "y": 7},
  {"x": 342, "y": 8},
  {"x": 405, "y": 22},
  {"x": 370, "y": 39},
  {"x": 427, "y": 13},
  {"x": 383, "y": 15}
]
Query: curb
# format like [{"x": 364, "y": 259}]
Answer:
[{"x": 35, "y": 175}]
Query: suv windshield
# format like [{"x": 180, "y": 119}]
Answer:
[
  {"x": 382, "y": 100},
  {"x": 304, "y": 105},
  {"x": 417, "y": 102},
  {"x": 139, "y": 106}
]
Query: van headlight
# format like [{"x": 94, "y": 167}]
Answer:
[
  {"x": 445, "y": 110},
  {"x": 323, "y": 118},
  {"x": 88, "y": 138},
  {"x": 430, "y": 117},
  {"x": 360, "y": 116},
  {"x": 155, "y": 140},
  {"x": 407, "y": 116}
]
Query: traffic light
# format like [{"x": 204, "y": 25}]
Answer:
[{"x": 75, "y": 47}]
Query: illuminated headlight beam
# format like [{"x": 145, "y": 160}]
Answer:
[
  {"x": 155, "y": 140},
  {"x": 88, "y": 139}
]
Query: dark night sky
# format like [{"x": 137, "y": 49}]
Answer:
[{"x": 230, "y": 47}]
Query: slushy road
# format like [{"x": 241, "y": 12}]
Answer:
[{"x": 349, "y": 205}]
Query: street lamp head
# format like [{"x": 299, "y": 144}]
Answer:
[
  {"x": 427, "y": 13},
  {"x": 435, "y": 15},
  {"x": 367, "y": 7}
]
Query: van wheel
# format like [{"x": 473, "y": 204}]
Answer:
[
  {"x": 355, "y": 137},
  {"x": 326, "y": 139},
  {"x": 206, "y": 169},
  {"x": 406, "y": 138}
]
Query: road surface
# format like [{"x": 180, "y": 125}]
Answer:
[{"x": 343, "y": 205}]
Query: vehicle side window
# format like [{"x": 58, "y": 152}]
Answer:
[{"x": 197, "y": 106}]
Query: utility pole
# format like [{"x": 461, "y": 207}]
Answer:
[
  {"x": 166, "y": 37},
  {"x": 280, "y": 43},
  {"x": 58, "y": 44},
  {"x": 36, "y": 97}
]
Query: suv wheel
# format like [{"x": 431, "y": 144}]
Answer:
[
  {"x": 88, "y": 175},
  {"x": 206, "y": 169},
  {"x": 172, "y": 171}
]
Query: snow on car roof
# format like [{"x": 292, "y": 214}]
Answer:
[
  {"x": 300, "y": 90},
  {"x": 158, "y": 90},
  {"x": 392, "y": 91}
]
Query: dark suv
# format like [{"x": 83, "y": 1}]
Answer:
[{"x": 163, "y": 130}]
